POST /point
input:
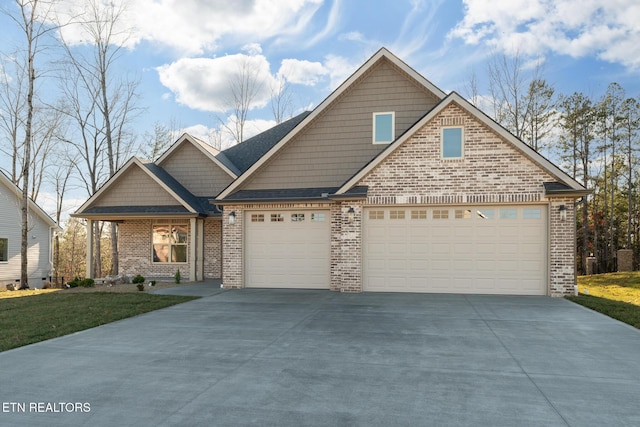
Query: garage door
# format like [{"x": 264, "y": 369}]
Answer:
[
  {"x": 287, "y": 249},
  {"x": 480, "y": 250}
]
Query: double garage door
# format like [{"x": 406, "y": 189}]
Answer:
[{"x": 480, "y": 250}]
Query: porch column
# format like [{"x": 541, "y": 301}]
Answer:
[
  {"x": 193, "y": 245},
  {"x": 89, "y": 271}
]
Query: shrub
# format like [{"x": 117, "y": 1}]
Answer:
[
  {"x": 137, "y": 279},
  {"x": 87, "y": 283},
  {"x": 140, "y": 286},
  {"x": 74, "y": 283},
  {"x": 177, "y": 277}
]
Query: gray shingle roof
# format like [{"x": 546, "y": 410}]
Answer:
[{"x": 242, "y": 156}]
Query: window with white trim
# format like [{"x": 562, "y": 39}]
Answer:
[
  {"x": 452, "y": 143},
  {"x": 257, "y": 217},
  {"x": 422, "y": 214},
  {"x": 170, "y": 243},
  {"x": 4, "y": 250},
  {"x": 440, "y": 214},
  {"x": 508, "y": 213},
  {"x": 384, "y": 127},
  {"x": 317, "y": 217},
  {"x": 376, "y": 214},
  {"x": 463, "y": 214},
  {"x": 533, "y": 213},
  {"x": 485, "y": 213},
  {"x": 277, "y": 217},
  {"x": 396, "y": 215}
]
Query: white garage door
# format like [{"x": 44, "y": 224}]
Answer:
[
  {"x": 287, "y": 249},
  {"x": 480, "y": 250}
]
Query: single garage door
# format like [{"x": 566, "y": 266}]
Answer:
[
  {"x": 287, "y": 249},
  {"x": 479, "y": 250}
]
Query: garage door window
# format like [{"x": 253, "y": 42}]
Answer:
[
  {"x": 317, "y": 217},
  {"x": 277, "y": 217},
  {"x": 531, "y": 213},
  {"x": 463, "y": 213},
  {"x": 257, "y": 217},
  {"x": 508, "y": 214},
  {"x": 419, "y": 214},
  {"x": 376, "y": 214},
  {"x": 396, "y": 215},
  {"x": 440, "y": 214},
  {"x": 297, "y": 217},
  {"x": 485, "y": 213}
]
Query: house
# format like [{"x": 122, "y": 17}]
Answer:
[
  {"x": 389, "y": 185},
  {"x": 41, "y": 229}
]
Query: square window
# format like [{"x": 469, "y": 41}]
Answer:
[
  {"x": 170, "y": 242},
  {"x": 383, "y": 128},
  {"x": 257, "y": 217},
  {"x": 440, "y": 214},
  {"x": 4, "y": 250},
  {"x": 419, "y": 214},
  {"x": 317, "y": 217},
  {"x": 452, "y": 143},
  {"x": 277, "y": 217},
  {"x": 297, "y": 217},
  {"x": 376, "y": 214}
]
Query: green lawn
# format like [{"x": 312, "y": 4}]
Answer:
[
  {"x": 45, "y": 315},
  {"x": 615, "y": 294}
]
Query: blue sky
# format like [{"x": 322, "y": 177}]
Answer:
[{"x": 184, "y": 52}]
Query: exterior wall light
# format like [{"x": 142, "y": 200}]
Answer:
[
  {"x": 232, "y": 217},
  {"x": 563, "y": 213},
  {"x": 351, "y": 213}
]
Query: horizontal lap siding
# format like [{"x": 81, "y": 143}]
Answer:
[
  {"x": 339, "y": 142},
  {"x": 195, "y": 171},
  {"x": 135, "y": 188}
]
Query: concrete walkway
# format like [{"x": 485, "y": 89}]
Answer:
[{"x": 298, "y": 358}]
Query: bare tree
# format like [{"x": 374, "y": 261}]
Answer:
[
  {"x": 244, "y": 86},
  {"x": 31, "y": 18},
  {"x": 471, "y": 91},
  {"x": 13, "y": 104},
  {"x": 60, "y": 177},
  {"x": 541, "y": 113},
  {"x": 281, "y": 100},
  {"x": 156, "y": 142},
  {"x": 104, "y": 104}
]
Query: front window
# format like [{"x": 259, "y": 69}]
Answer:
[
  {"x": 383, "y": 128},
  {"x": 4, "y": 250},
  {"x": 452, "y": 143},
  {"x": 170, "y": 242}
]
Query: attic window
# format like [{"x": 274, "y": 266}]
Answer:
[
  {"x": 384, "y": 127},
  {"x": 452, "y": 143},
  {"x": 4, "y": 250}
]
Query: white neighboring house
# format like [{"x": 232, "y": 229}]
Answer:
[{"x": 41, "y": 229}]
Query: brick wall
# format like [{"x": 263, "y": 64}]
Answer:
[
  {"x": 232, "y": 248},
  {"x": 134, "y": 242},
  {"x": 562, "y": 248},
  {"x": 346, "y": 247},
  {"x": 212, "y": 248}
]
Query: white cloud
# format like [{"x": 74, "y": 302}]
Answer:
[
  {"x": 340, "y": 68},
  {"x": 302, "y": 72},
  {"x": 207, "y": 83},
  {"x": 192, "y": 27},
  {"x": 609, "y": 30},
  {"x": 220, "y": 138}
]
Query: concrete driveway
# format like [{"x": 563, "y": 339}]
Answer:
[{"x": 296, "y": 358}]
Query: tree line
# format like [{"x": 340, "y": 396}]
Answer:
[{"x": 595, "y": 139}]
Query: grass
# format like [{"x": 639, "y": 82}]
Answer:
[
  {"x": 43, "y": 315},
  {"x": 616, "y": 295}
]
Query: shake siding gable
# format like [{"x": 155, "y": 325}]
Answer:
[
  {"x": 491, "y": 171},
  {"x": 135, "y": 188},
  {"x": 339, "y": 141},
  {"x": 197, "y": 173}
]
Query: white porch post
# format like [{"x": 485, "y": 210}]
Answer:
[
  {"x": 89, "y": 267},
  {"x": 193, "y": 244}
]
